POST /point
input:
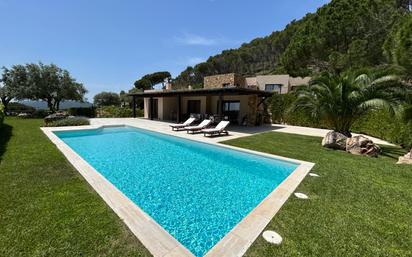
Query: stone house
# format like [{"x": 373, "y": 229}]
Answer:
[{"x": 226, "y": 96}]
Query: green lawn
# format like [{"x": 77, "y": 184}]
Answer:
[
  {"x": 47, "y": 208},
  {"x": 359, "y": 206}
]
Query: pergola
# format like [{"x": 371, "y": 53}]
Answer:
[{"x": 221, "y": 92}]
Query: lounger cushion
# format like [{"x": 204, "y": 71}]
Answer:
[
  {"x": 202, "y": 125},
  {"x": 220, "y": 127},
  {"x": 184, "y": 124}
]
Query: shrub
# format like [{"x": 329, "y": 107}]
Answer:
[
  {"x": 71, "y": 121},
  {"x": 15, "y": 108},
  {"x": 2, "y": 114},
  {"x": 279, "y": 107},
  {"x": 377, "y": 123},
  {"x": 382, "y": 124},
  {"x": 54, "y": 117},
  {"x": 89, "y": 112},
  {"x": 118, "y": 112},
  {"x": 40, "y": 113}
]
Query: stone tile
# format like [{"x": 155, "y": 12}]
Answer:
[{"x": 230, "y": 246}]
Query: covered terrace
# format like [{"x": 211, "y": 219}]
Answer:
[{"x": 240, "y": 105}]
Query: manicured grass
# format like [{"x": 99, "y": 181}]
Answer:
[
  {"x": 359, "y": 206},
  {"x": 46, "y": 208}
]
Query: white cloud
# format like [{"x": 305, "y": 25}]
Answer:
[
  {"x": 198, "y": 40},
  {"x": 194, "y": 60},
  {"x": 191, "y": 39},
  {"x": 189, "y": 61}
]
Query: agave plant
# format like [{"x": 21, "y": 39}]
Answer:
[{"x": 339, "y": 100}]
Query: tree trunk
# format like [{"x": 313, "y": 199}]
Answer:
[
  {"x": 56, "y": 105},
  {"x": 50, "y": 104},
  {"x": 5, "y": 101}
]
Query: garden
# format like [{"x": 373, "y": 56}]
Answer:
[{"x": 357, "y": 207}]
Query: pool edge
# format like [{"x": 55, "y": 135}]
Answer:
[{"x": 152, "y": 235}]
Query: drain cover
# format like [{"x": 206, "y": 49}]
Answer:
[
  {"x": 301, "y": 196},
  {"x": 272, "y": 237}
]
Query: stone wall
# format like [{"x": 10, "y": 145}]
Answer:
[{"x": 219, "y": 81}]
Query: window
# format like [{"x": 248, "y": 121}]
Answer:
[
  {"x": 273, "y": 87},
  {"x": 231, "y": 106},
  {"x": 231, "y": 109}
]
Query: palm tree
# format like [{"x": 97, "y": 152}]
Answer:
[{"x": 340, "y": 100}]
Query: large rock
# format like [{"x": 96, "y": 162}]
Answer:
[
  {"x": 361, "y": 145},
  {"x": 335, "y": 140},
  {"x": 55, "y": 117},
  {"x": 406, "y": 159}
]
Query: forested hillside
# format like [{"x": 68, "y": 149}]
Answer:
[{"x": 340, "y": 35}]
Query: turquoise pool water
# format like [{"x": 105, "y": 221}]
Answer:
[{"x": 197, "y": 192}]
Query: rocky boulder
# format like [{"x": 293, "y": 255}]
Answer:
[
  {"x": 55, "y": 117},
  {"x": 335, "y": 140},
  {"x": 361, "y": 145},
  {"x": 406, "y": 159}
]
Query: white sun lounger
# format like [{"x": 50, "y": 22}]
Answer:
[
  {"x": 183, "y": 125},
  {"x": 219, "y": 129},
  {"x": 199, "y": 127}
]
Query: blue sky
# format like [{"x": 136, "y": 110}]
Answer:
[{"x": 107, "y": 45}]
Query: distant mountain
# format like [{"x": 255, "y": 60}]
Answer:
[
  {"x": 41, "y": 105},
  {"x": 341, "y": 35}
]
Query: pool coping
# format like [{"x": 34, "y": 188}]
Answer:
[{"x": 152, "y": 235}]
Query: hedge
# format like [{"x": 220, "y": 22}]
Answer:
[
  {"x": 74, "y": 121},
  {"x": 117, "y": 112},
  {"x": 89, "y": 112},
  {"x": 2, "y": 114},
  {"x": 16, "y": 108},
  {"x": 378, "y": 123},
  {"x": 387, "y": 126}
]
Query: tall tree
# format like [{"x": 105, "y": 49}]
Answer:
[
  {"x": 51, "y": 84},
  {"x": 149, "y": 80},
  {"x": 340, "y": 100},
  {"x": 107, "y": 99},
  {"x": 341, "y": 35},
  {"x": 68, "y": 89},
  {"x": 406, "y": 4},
  {"x": 398, "y": 47},
  {"x": 14, "y": 82},
  {"x": 124, "y": 98}
]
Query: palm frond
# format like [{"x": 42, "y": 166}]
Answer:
[{"x": 340, "y": 100}]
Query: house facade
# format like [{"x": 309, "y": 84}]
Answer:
[{"x": 227, "y": 96}]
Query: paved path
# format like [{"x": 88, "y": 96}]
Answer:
[
  {"x": 317, "y": 132},
  {"x": 235, "y": 131}
]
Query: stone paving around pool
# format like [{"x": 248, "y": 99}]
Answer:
[
  {"x": 158, "y": 241},
  {"x": 234, "y": 131}
]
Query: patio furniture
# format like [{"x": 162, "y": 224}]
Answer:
[
  {"x": 219, "y": 129},
  {"x": 188, "y": 122},
  {"x": 199, "y": 127}
]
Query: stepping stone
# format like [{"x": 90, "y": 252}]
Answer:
[
  {"x": 301, "y": 196},
  {"x": 272, "y": 237},
  {"x": 313, "y": 175}
]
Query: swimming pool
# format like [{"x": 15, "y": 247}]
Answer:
[{"x": 197, "y": 192}]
